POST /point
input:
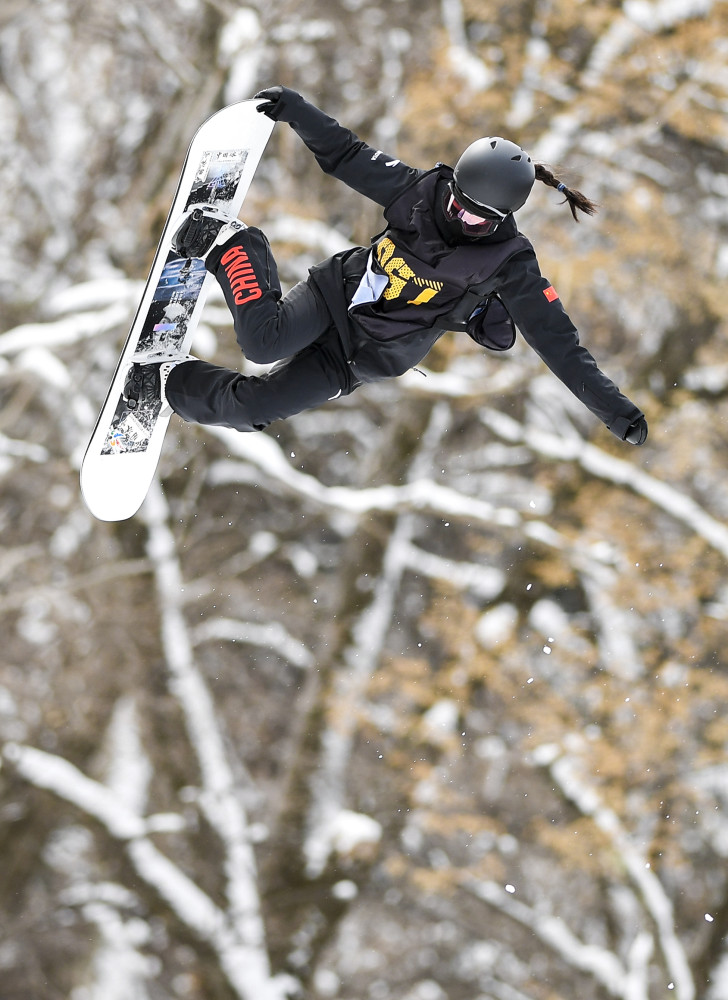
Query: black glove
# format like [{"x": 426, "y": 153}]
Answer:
[
  {"x": 636, "y": 433},
  {"x": 276, "y": 100},
  {"x": 491, "y": 326}
]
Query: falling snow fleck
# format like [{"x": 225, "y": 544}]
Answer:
[{"x": 510, "y": 888}]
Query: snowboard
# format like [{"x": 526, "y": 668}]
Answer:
[{"x": 124, "y": 448}]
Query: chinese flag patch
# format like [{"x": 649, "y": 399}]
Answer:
[{"x": 551, "y": 293}]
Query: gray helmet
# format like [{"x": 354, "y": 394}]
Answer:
[{"x": 494, "y": 173}]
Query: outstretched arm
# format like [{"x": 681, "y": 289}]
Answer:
[
  {"x": 338, "y": 151},
  {"x": 544, "y": 324}
]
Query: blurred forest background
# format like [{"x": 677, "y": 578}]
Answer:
[{"x": 421, "y": 696}]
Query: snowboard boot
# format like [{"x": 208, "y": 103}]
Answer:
[
  {"x": 202, "y": 228},
  {"x": 146, "y": 382}
]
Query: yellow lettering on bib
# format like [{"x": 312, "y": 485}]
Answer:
[
  {"x": 400, "y": 273},
  {"x": 425, "y": 295}
]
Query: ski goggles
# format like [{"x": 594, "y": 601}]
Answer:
[{"x": 480, "y": 224}]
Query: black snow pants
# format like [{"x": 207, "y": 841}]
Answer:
[{"x": 297, "y": 328}]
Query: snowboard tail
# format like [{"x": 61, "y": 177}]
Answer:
[{"x": 122, "y": 454}]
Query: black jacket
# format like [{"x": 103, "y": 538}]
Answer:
[{"x": 383, "y": 341}]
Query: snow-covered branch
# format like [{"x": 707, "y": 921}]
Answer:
[
  {"x": 59, "y": 776},
  {"x": 220, "y": 799},
  {"x": 272, "y": 636},
  {"x": 615, "y": 625},
  {"x": 485, "y": 581},
  {"x": 469, "y": 67},
  {"x": 243, "y": 961},
  {"x": 67, "y": 330},
  {"x": 614, "y": 470},
  {"x": 265, "y": 455},
  {"x": 10, "y": 448},
  {"x": 361, "y": 658},
  {"x": 565, "y": 772},
  {"x": 316, "y": 236},
  {"x": 602, "y": 965},
  {"x": 477, "y": 381}
]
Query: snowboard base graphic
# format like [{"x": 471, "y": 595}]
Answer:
[{"x": 124, "y": 449}]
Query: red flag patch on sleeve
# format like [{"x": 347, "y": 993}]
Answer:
[{"x": 551, "y": 293}]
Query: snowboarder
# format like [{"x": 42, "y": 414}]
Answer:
[{"x": 450, "y": 258}]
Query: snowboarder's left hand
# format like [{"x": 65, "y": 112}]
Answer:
[
  {"x": 277, "y": 99},
  {"x": 636, "y": 433}
]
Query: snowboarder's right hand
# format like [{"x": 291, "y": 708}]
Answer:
[{"x": 276, "y": 100}]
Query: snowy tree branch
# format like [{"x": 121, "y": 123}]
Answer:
[
  {"x": 242, "y": 960},
  {"x": 419, "y": 494},
  {"x": 614, "y": 470},
  {"x": 68, "y": 330},
  {"x": 603, "y": 965},
  {"x": 220, "y": 800},
  {"x": 361, "y": 658},
  {"x": 564, "y": 772},
  {"x": 271, "y": 636},
  {"x": 63, "y": 779}
]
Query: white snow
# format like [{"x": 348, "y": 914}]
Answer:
[
  {"x": 241, "y": 943},
  {"x": 119, "y": 968},
  {"x": 45, "y": 770},
  {"x": 233, "y": 935},
  {"x": 718, "y": 988},
  {"x": 565, "y": 771},
  {"x": 463, "y": 62},
  {"x": 549, "y": 618},
  {"x": 602, "y": 964},
  {"x": 313, "y": 234},
  {"x": 129, "y": 772},
  {"x": 272, "y": 636},
  {"x": 68, "y": 330},
  {"x": 345, "y": 890},
  {"x": 485, "y": 581},
  {"x": 241, "y": 49},
  {"x": 350, "y": 830},
  {"x": 496, "y": 625},
  {"x": 663, "y": 14},
  {"x": 423, "y": 494},
  {"x": 614, "y": 470},
  {"x": 360, "y": 660},
  {"x": 440, "y": 721}
]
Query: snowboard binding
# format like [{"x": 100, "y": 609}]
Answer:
[
  {"x": 202, "y": 228},
  {"x": 142, "y": 385}
]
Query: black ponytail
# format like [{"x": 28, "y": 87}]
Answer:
[{"x": 575, "y": 198}]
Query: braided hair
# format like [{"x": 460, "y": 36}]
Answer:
[{"x": 575, "y": 198}]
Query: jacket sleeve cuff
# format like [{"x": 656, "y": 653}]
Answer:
[{"x": 620, "y": 425}]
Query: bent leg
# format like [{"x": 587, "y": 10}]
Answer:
[
  {"x": 267, "y": 327},
  {"x": 208, "y": 394}
]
